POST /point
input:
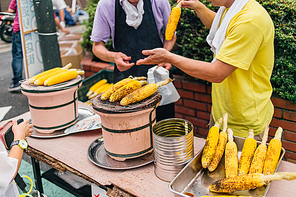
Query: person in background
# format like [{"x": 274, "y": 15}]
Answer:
[
  {"x": 242, "y": 40},
  {"x": 10, "y": 162},
  {"x": 60, "y": 9},
  {"x": 58, "y": 24},
  {"x": 133, "y": 25},
  {"x": 16, "y": 50}
]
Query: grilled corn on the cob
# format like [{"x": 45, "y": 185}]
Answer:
[
  {"x": 247, "y": 182},
  {"x": 248, "y": 151},
  {"x": 62, "y": 77},
  {"x": 100, "y": 90},
  {"x": 115, "y": 87},
  {"x": 40, "y": 81},
  {"x": 220, "y": 147},
  {"x": 173, "y": 21},
  {"x": 231, "y": 160},
  {"x": 260, "y": 154},
  {"x": 273, "y": 153},
  {"x": 211, "y": 144},
  {"x": 143, "y": 92},
  {"x": 96, "y": 86},
  {"x": 125, "y": 90}
]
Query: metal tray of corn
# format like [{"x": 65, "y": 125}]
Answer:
[{"x": 194, "y": 180}]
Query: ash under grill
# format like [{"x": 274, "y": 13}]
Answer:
[{"x": 106, "y": 106}]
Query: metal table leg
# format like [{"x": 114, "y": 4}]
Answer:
[{"x": 37, "y": 174}]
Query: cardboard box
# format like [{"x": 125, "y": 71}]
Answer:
[{"x": 71, "y": 52}]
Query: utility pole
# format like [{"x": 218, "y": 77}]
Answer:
[{"x": 48, "y": 38}]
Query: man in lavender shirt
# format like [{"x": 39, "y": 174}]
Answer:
[{"x": 133, "y": 25}]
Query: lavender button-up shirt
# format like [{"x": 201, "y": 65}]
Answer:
[{"x": 104, "y": 21}]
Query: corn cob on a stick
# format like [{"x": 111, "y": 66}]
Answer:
[
  {"x": 273, "y": 153},
  {"x": 247, "y": 155},
  {"x": 115, "y": 87},
  {"x": 62, "y": 77},
  {"x": 247, "y": 182},
  {"x": 173, "y": 21},
  {"x": 100, "y": 90},
  {"x": 221, "y": 146},
  {"x": 231, "y": 160},
  {"x": 96, "y": 86},
  {"x": 143, "y": 92},
  {"x": 125, "y": 90},
  {"x": 211, "y": 144},
  {"x": 260, "y": 154}
]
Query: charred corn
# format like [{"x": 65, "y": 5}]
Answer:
[
  {"x": 96, "y": 86},
  {"x": 143, "y": 92},
  {"x": 211, "y": 144},
  {"x": 231, "y": 160},
  {"x": 100, "y": 90},
  {"x": 40, "y": 81},
  {"x": 220, "y": 147},
  {"x": 247, "y": 155},
  {"x": 260, "y": 155},
  {"x": 273, "y": 153},
  {"x": 115, "y": 87},
  {"x": 247, "y": 182},
  {"x": 125, "y": 90},
  {"x": 62, "y": 77},
  {"x": 173, "y": 21}
]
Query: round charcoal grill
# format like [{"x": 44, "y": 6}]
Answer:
[
  {"x": 127, "y": 130},
  {"x": 53, "y": 107}
]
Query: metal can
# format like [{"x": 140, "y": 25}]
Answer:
[{"x": 173, "y": 147}]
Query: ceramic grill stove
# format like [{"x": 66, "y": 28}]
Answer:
[
  {"x": 127, "y": 130},
  {"x": 53, "y": 107}
]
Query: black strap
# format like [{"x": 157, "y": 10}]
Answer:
[{"x": 20, "y": 182}]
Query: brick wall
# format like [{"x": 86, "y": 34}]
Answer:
[{"x": 195, "y": 106}]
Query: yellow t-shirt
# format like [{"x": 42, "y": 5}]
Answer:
[{"x": 245, "y": 94}]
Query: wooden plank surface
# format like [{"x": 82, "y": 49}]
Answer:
[{"x": 70, "y": 153}]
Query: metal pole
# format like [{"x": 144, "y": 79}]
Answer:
[{"x": 46, "y": 27}]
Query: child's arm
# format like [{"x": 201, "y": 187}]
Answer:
[{"x": 20, "y": 132}]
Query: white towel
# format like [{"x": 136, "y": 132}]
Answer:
[
  {"x": 217, "y": 34},
  {"x": 134, "y": 15}
]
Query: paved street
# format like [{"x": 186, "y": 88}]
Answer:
[{"x": 17, "y": 101}]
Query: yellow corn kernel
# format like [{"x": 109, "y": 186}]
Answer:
[
  {"x": 220, "y": 147},
  {"x": 259, "y": 155},
  {"x": 211, "y": 144},
  {"x": 115, "y": 87},
  {"x": 173, "y": 22},
  {"x": 248, "y": 151},
  {"x": 143, "y": 92},
  {"x": 247, "y": 182},
  {"x": 96, "y": 86},
  {"x": 100, "y": 90},
  {"x": 124, "y": 90},
  {"x": 61, "y": 77},
  {"x": 231, "y": 160},
  {"x": 273, "y": 153},
  {"x": 40, "y": 81},
  {"x": 34, "y": 78}
]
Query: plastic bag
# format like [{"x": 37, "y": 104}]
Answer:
[{"x": 168, "y": 92}]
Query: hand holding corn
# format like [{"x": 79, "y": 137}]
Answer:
[
  {"x": 173, "y": 21},
  {"x": 247, "y": 182}
]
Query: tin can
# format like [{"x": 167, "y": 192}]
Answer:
[{"x": 173, "y": 147}]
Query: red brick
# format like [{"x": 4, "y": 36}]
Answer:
[
  {"x": 277, "y": 102},
  {"x": 86, "y": 67},
  {"x": 291, "y": 106},
  {"x": 272, "y": 131},
  {"x": 195, "y": 105},
  {"x": 177, "y": 115},
  {"x": 179, "y": 102},
  {"x": 197, "y": 122},
  {"x": 203, "y": 132},
  {"x": 289, "y": 145},
  {"x": 203, "y": 115},
  {"x": 286, "y": 125},
  {"x": 88, "y": 74},
  {"x": 98, "y": 66},
  {"x": 184, "y": 110},
  {"x": 178, "y": 84},
  {"x": 196, "y": 87},
  {"x": 203, "y": 97},
  {"x": 209, "y": 89},
  {"x": 209, "y": 107},
  {"x": 277, "y": 113},
  {"x": 185, "y": 94},
  {"x": 86, "y": 60},
  {"x": 291, "y": 136},
  {"x": 290, "y": 155},
  {"x": 289, "y": 115}
]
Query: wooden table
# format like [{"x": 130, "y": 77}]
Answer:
[{"x": 70, "y": 153}]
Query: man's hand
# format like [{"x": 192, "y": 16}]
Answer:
[
  {"x": 122, "y": 61},
  {"x": 191, "y": 4},
  {"x": 167, "y": 66},
  {"x": 155, "y": 56}
]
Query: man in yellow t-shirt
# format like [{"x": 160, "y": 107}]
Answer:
[{"x": 241, "y": 71}]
